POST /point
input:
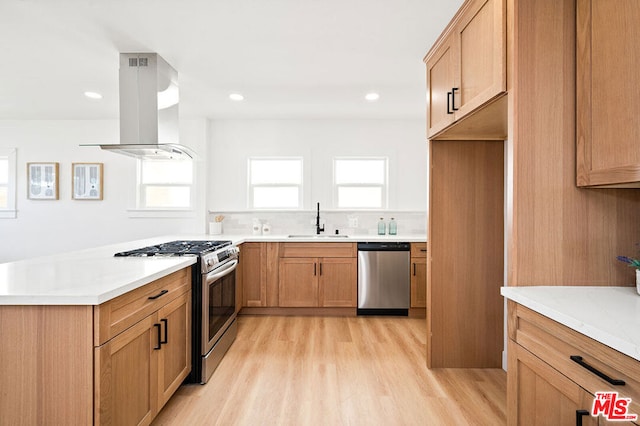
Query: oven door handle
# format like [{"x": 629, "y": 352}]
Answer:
[{"x": 219, "y": 273}]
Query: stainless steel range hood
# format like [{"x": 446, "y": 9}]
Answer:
[{"x": 149, "y": 101}]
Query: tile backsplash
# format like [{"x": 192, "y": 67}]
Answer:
[{"x": 303, "y": 222}]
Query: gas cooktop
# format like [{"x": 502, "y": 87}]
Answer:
[{"x": 177, "y": 248}]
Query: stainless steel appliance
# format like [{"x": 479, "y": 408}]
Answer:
[
  {"x": 213, "y": 296},
  {"x": 384, "y": 281}
]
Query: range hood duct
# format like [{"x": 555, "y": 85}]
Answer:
[{"x": 149, "y": 100}]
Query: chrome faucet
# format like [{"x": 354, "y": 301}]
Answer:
[{"x": 318, "y": 228}]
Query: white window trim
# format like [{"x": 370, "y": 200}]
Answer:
[
  {"x": 10, "y": 211},
  {"x": 165, "y": 212},
  {"x": 384, "y": 186},
  {"x": 251, "y": 187}
]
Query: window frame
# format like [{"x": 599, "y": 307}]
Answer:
[
  {"x": 251, "y": 187},
  {"x": 10, "y": 211},
  {"x": 140, "y": 199},
  {"x": 384, "y": 186}
]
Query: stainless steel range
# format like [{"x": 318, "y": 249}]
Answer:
[{"x": 214, "y": 295}]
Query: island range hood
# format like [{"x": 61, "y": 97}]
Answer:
[{"x": 149, "y": 98}]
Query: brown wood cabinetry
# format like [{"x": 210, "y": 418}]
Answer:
[
  {"x": 607, "y": 98},
  {"x": 96, "y": 364},
  {"x": 329, "y": 281},
  {"x": 545, "y": 386},
  {"x": 418, "y": 275},
  {"x": 466, "y": 255},
  {"x": 138, "y": 370},
  {"x": 466, "y": 68},
  {"x": 253, "y": 280}
]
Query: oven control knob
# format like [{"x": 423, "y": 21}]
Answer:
[{"x": 209, "y": 262}]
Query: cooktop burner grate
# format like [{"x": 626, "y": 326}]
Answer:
[{"x": 177, "y": 248}]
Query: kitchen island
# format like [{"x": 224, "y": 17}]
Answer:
[{"x": 79, "y": 336}]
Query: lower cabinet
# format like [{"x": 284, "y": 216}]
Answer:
[
  {"x": 418, "y": 275},
  {"x": 139, "y": 369},
  {"x": 317, "y": 282},
  {"x": 543, "y": 394},
  {"x": 554, "y": 373}
]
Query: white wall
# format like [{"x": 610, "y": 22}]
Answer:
[
  {"x": 45, "y": 227},
  {"x": 318, "y": 141}
]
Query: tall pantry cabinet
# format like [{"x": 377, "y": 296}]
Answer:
[{"x": 466, "y": 77}]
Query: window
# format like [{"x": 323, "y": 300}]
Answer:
[
  {"x": 165, "y": 184},
  {"x": 7, "y": 183},
  {"x": 275, "y": 183},
  {"x": 360, "y": 183}
]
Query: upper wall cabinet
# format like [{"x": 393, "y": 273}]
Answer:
[
  {"x": 608, "y": 95},
  {"x": 466, "y": 68}
]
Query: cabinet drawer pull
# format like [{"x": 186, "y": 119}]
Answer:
[
  {"x": 579, "y": 415},
  {"x": 163, "y": 292},
  {"x": 453, "y": 99},
  {"x": 423, "y": 250},
  {"x": 166, "y": 332},
  {"x": 157, "y": 326},
  {"x": 449, "y": 103},
  {"x": 578, "y": 360}
]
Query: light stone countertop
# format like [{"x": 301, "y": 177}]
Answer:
[
  {"x": 94, "y": 276},
  {"x": 610, "y": 315}
]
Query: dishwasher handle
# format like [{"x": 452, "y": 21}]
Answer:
[{"x": 384, "y": 246}]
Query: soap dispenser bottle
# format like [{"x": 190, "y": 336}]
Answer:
[
  {"x": 382, "y": 228},
  {"x": 393, "y": 227}
]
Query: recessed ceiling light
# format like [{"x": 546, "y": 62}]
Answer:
[
  {"x": 93, "y": 95},
  {"x": 236, "y": 97},
  {"x": 372, "y": 96}
]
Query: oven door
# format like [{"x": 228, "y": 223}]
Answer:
[{"x": 218, "y": 303}]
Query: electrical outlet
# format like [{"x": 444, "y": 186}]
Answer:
[{"x": 353, "y": 222}]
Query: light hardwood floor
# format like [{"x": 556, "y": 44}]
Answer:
[{"x": 336, "y": 371}]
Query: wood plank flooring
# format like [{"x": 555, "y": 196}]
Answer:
[{"x": 336, "y": 371}]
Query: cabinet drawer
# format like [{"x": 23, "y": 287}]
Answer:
[
  {"x": 418, "y": 249},
  {"x": 555, "y": 344},
  {"x": 116, "y": 315},
  {"x": 318, "y": 250}
]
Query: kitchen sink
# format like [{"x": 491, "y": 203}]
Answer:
[{"x": 316, "y": 236}]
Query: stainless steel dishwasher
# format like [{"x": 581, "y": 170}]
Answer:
[{"x": 384, "y": 281}]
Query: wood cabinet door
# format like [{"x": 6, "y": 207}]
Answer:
[
  {"x": 540, "y": 395},
  {"x": 174, "y": 357},
  {"x": 126, "y": 376},
  {"x": 441, "y": 71},
  {"x": 338, "y": 282},
  {"x": 481, "y": 40},
  {"x": 418, "y": 282},
  {"x": 608, "y": 97},
  {"x": 253, "y": 274},
  {"x": 298, "y": 282}
]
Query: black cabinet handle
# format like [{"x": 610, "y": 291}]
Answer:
[
  {"x": 320, "y": 268},
  {"x": 414, "y": 269},
  {"x": 163, "y": 292},
  {"x": 579, "y": 415},
  {"x": 314, "y": 269},
  {"x": 157, "y": 326},
  {"x": 166, "y": 332},
  {"x": 453, "y": 99},
  {"x": 423, "y": 250},
  {"x": 578, "y": 360},
  {"x": 449, "y": 103}
]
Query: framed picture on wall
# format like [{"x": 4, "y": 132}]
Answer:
[
  {"x": 87, "y": 181},
  {"x": 42, "y": 181}
]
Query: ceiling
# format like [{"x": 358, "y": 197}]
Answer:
[{"x": 289, "y": 58}]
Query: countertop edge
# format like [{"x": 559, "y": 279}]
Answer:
[{"x": 591, "y": 330}]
